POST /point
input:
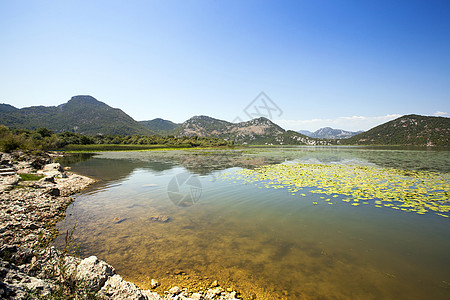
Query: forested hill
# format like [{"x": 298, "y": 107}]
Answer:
[
  {"x": 406, "y": 130},
  {"x": 81, "y": 114},
  {"x": 160, "y": 126}
]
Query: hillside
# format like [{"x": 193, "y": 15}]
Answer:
[
  {"x": 160, "y": 126},
  {"x": 81, "y": 114},
  {"x": 329, "y": 133},
  {"x": 406, "y": 130},
  {"x": 258, "y": 131}
]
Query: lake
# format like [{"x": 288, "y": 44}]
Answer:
[{"x": 288, "y": 231}]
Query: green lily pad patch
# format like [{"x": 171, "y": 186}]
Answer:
[{"x": 404, "y": 190}]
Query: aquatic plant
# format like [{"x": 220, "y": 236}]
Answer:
[{"x": 405, "y": 190}]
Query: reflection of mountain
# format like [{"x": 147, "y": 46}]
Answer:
[{"x": 107, "y": 169}]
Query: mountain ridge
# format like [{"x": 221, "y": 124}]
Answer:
[
  {"x": 83, "y": 114},
  {"x": 256, "y": 131},
  {"x": 406, "y": 130},
  {"x": 86, "y": 115},
  {"x": 329, "y": 133}
]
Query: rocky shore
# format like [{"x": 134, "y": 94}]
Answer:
[{"x": 34, "y": 194}]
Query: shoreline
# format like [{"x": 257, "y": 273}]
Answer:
[{"x": 30, "y": 207}]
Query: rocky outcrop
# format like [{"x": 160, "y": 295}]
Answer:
[
  {"x": 50, "y": 271},
  {"x": 29, "y": 209}
]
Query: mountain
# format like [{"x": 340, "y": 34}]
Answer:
[
  {"x": 407, "y": 130},
  {"x": 160, "y": 126},
  {"x": 306, "y": 132},
  {"x": 82, "y": 114},
  {"x": 329, "y": 133},
  {"x": 258, "y": 131}
]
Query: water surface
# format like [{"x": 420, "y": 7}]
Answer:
[{"x": 253, "y": 239}]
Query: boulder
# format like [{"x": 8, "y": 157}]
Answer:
[
  {"x": 53, "y": 169},
  {"x": 117, "y": 288},
  {"x": 94, "y": 272}
]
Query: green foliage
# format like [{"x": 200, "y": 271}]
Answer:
[
  {"x": 82, "y": 114},
  {"x": 406, "y": 130},
  {"x": 30, "y": 177},
  {"x": 44, "y": 139},
  {"x": 160, "y": 126}
]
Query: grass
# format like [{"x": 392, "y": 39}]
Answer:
[{"x": 30, "y": 177}]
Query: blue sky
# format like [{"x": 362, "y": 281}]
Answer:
[{"x": 344, "y": 64}]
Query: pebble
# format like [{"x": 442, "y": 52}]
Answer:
[
  {"x": 154, "y": 283},
  {"x": 215, "y": 283}
]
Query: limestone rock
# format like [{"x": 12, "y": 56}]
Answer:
[
  {"x": 94, "y": 272},
  {"x": 117, "y": 288}
]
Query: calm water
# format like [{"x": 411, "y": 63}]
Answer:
[{"x": 257, "y": 240}]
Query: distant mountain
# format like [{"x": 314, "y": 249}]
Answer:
[
  {"x": 258, "y": 131},
  {"x": 407, "y": 130},
  {"x": 329, "y": 133},
  {"x": 160, "y": 126},
  {"x": 82, "y": 114},
  {"x": 306, "y": 132}
]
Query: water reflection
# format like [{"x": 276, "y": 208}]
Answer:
[{"x": 265, "y": 241}]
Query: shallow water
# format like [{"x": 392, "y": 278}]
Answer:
[{"x": 253, "y": 239}]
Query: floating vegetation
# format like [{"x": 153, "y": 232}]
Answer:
[{"x": 403, "y": 190}]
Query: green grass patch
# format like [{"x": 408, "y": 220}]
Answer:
[{"x": 30, "y": 177}]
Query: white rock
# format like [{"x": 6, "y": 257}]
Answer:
[
  {"x": 175, "y": 290},
  {"x": 94, "y": 272},
  {"x": 154, "y": 283},
  {"x": 118, "y": 289}
]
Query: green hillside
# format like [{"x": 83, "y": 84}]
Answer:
[
  {"x": 160, "y": 126},
  {"x": 406, "y": 130},
  {"x": 81, "y": 114}
]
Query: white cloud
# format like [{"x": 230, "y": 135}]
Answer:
[
  {"x": 440, "y": 114},
  {"x": 353, "y": 123}
]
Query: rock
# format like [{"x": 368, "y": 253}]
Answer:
[
  {"x": 160, "y": 218},
  {"x": 117, "y": 288},
  {"x": 15, "y": 254},
  {"x": 31, "y": 226},
  {"x": 196, "y": 296},
  {"x": 151, "y": 295},
  {"x": 211, "y": 293},
  {"x": 52, "y": 167},
  {"x": 215, "y": 283},
  {"x": 119, "y": 220},
  {"x": 94, "y": 272},
  {"x": 49, "y": 179},
  {"x": 175, "y": 290},
  {"x": 15, "y": 284},
  {"x": 154, "y": 283},
  {"x": 53, "y": 192}
]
